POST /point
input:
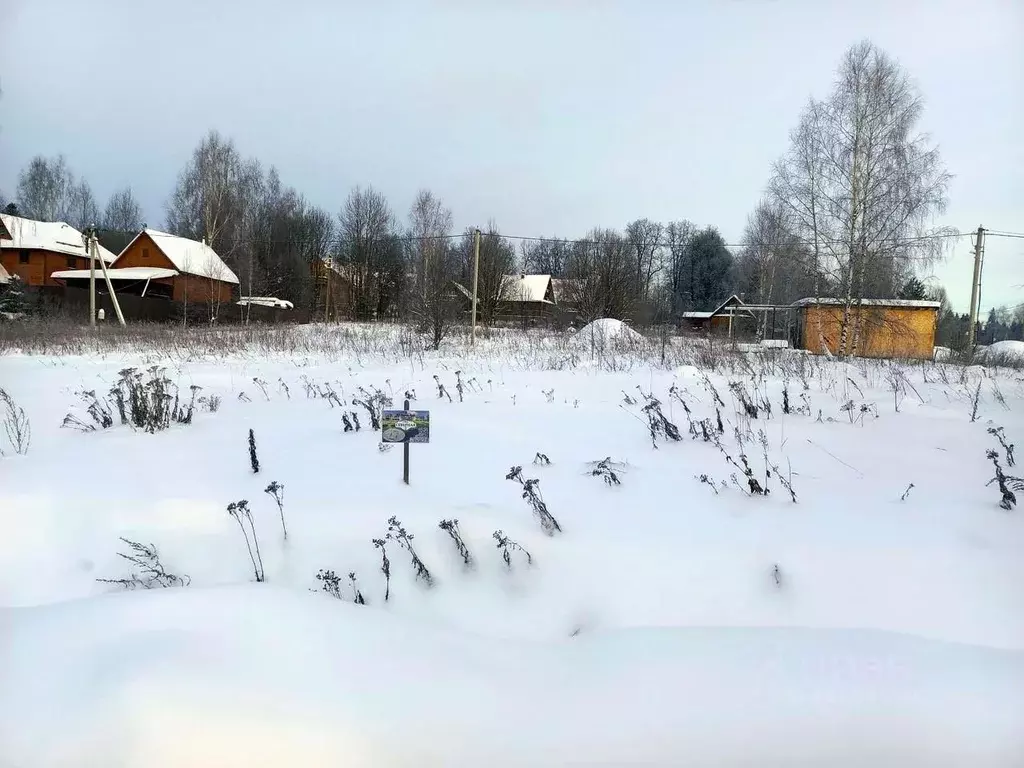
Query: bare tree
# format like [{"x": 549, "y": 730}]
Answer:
[
  {"x": 497, "y": 262},
  {"x": 434, "y": 262},
  {"x": 677, "y": 238},
  {"x": 864, "y": 184},
  {"x": 46, "y": 189},
  {"x": 123, "y": 213},
  {"x": 645, "y": 238},
  {"x": 545, "y": 257},
  {"x": 601, "y": 276},
  {"x": 371, "y": 253},
  {"x": 206, "y": 203}
]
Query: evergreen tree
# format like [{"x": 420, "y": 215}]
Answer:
[
  {"x": 12, "y": 298},
  {"x": 913, "y": 289}
]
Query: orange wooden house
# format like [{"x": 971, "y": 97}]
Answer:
[
  {"x": 34, "y": 250},
  {"x": 159, "y": 264}
]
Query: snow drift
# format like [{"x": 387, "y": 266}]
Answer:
[{"x": 258, "y": 676}]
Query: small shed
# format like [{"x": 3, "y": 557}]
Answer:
[
  {"x": 885, "y": 328},
  {"x": 730, "y": 318}
]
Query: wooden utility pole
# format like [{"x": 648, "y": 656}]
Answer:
[
  {"x": 476, "y": 276},
  {"x": 979, "y": 253},
  {"x": 327, "y": 289},
  {"x": 95, "y": 253},
  {"x": 89, "y": 233}
]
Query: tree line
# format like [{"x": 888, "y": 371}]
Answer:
[{"x": 848, "y": 212}]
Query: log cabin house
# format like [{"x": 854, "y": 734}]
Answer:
[
  {"x": 158, "y": 264},
  {"x": 34, "y": 250}
]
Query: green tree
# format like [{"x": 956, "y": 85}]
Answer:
[
  {"x": 913, "y": 289},
  {"x": 12, "y": 298},
  {"x": 707, "y": 269}
]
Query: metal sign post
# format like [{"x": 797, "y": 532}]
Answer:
[{"x": 405, "y": 427}]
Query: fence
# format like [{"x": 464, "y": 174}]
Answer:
[{"x": 73, "y": 303}]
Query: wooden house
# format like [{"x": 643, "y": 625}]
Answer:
[
  {"x": 887, "y": 328},
  {"x": 34, "y": 250},
  {"x": 158, "y": 264}
]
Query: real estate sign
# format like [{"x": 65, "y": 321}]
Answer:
[{"x": 405, "y": 427}]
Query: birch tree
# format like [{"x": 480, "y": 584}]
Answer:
[{"x": 864, "y": 184}]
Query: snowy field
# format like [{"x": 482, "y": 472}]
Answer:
[{"x": 679, "y": 617}]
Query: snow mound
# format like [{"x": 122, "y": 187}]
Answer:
[
  {"x": 1002, "y": 353},
  {"x": 606, "y": 331},
  {"x": 261, "y": 676}
]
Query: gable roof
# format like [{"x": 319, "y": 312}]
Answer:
[
  {"x": 189, "y": 256},
  {"x": 525, "y": 288},
  {"x": 54, "y": 236},
  {"x": 910, "y": 303},
  {"x": 733, "y": 300}
]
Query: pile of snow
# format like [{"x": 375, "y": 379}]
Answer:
[
  {"x": 1002, "y": 353},
  {"x": 606, "y": 332}
]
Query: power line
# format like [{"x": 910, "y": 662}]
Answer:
[
  {"x": 990, "y": 233},
  {"x": 586, "y": 241}
]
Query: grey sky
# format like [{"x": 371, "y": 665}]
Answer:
[{"x": 549, "y": 117}]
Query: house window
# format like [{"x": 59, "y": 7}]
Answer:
[
  {"x": 72, "y": 262},
  {"x": 145, "y": 253},
  {"x": 23, "y": 257}
]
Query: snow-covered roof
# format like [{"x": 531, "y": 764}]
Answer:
[
  {"x": 190, "y": 257},
  {"x": 732, "y": 300},
  {"x": 525, "y": 287},
  {"x": 124, "y": 273},
  {"x": 5, "y": 278},
  {"x": 916, "y": 303},
  {"x": 54, "y": 236},
  {"x": 265, "y": 301}
]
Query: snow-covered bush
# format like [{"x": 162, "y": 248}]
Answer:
[
  {"x": 531, "y": 492},
  {"x": 16, "y": 424},
  {"x": 148, "y": 571}
]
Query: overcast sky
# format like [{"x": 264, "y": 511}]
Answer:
[{"x": 549, "y": 117}]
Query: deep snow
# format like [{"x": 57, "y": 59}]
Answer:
[{"x": 652, "y": 631}]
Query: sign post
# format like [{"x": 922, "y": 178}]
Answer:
[{"x": 405, "y": 427}]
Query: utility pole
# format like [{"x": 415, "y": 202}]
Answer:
[
  {"x": 90, "y": 233},
  {"x": 476, "y": 275},
  {"x": 95, "y": 253},
  {"x": 979, "y": 253}
]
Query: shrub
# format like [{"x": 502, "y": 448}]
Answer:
[
  {"x": 1007, "y": 484},
  {"x": 507, "y": 546},
  {"x": 604, "y": 468},
  {"x": 150, "y": 401},
  {"x": 148, "y": 572},
  {"x": 254, "y": 460},
  {"x": 276, "y": 490},
  {"x": 16, "y": 424},
  {"x": 531, "y": 492},
  {"x": 451, "y": 527},
  {"x": 240, "y": 511},
  {"x": 385, "y": 566},
  {"x": 404, "y": 539}
]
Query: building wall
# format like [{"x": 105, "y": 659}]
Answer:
[
  {"x": 41, "y": 264},
  {"x": 885, "y": 331},
  {"x": 193, "y": 288}
]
